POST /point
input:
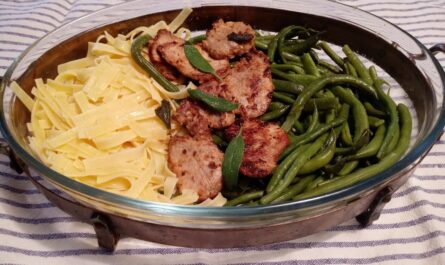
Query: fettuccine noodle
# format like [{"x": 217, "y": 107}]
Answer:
[{"x": 96, "y": 122}]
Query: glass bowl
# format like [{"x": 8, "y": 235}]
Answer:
[{"x": 403, "y": 57}]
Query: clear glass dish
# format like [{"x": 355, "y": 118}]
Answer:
[{"x": 403, "y": 57}]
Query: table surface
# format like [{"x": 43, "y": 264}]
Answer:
[{"x": 411, "y": 229}]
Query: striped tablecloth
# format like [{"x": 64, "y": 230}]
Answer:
[{"x": 411, "y": 229}]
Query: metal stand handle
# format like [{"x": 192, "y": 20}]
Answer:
[{"x": 439, "y": 47}]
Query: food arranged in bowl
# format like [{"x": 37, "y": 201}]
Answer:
[{"x": 232, "y": 117}]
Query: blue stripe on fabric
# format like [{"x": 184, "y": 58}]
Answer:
[
  {"x": 391, "y": 3},
  {"x": 385, "y": 9},
  {"x": 47, "y": 236},
  {"x": 373, "y": 260},
  {"x": 413, "y": 206},
  {"x": 396, "y": 225},
  {"x": 19, "y": 26},
  {"x": 19, "y": 191},
  {"x": 33, "y": 20},
  {"x": 412, "y": 189},
  {"x": 27, "y": 11},
  {"x": 18, "y": 34},
  {"x": 38, "y": 221},
  {"x": 26, "y": 205},
  {"x": 415, "y": 16},
  {"x": 173, "y": 251}
]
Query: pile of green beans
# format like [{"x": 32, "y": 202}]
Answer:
[{"x": 343, "y": 127}]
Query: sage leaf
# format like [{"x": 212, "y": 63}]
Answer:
[
  {"x": 232, "y": 161},
  {"x": 215, "y": 103},
  {"x": 164, "y": 113},
  {"x": 198, "y": 61}
]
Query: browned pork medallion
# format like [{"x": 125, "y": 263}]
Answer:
[
  {"x": 197, "y": 163},
  {"x": 264, "y": 142},
  {"x": 229, "y": 39},
  {"x": 196, "y": 159}
]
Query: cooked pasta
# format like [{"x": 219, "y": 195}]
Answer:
[{"x": 95, "y": 121}]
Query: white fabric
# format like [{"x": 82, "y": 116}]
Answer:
[{"x": 411, "y": 229}]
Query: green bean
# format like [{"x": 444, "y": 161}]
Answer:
[
  {"x": 245, "y": 198},
  {"x": 216, "y": 103},
  {"x": 294, "y": 189},
  {"x": 323, "y": 71},
  {"x": 350, "y": 70},
  {"x": 332, "y": 54},
  {"x": 371, "y": 110},
  {"x": 390, "y": 106},
  {"x": 293, "y": 170},
  {"x": 321, "y": 129},
  {"x": 371, "y": 148},
  {"x": 333, "y": 69},
  {"x": 346, "y": 135},
  {"x": 288, "y": 56},
  {"x": 314, "y": 184},
  {"x": 253, "y": 203},
  {"x": 272, "y": 48},
  {"x": 218, "y": 140},
  {"x": 276, "y": 105},
  {"x": 282, "y": 97},
  {"x": 373, "y": 73},
  {"x": 314, "y": 121},
  {"x": 289, "y": 31},
  {"x": 344, "y": 150},
  {"x": 232, "y": 161},
  {"x": 290, "y": 67},
  {"x": 291, "y": 57},
  {"x": 303, "y": 80},
  {"x": 392, "y": 144},
  {"x": 330, "y": 115},
  {"x": 281, "y": 169},
  {"x": 321, "y": 159},
  {"x": 265, "y": 37},
  {"x": 361, "y": 125},
  {"x": 299, "y": 127},
  {"x": 275, "y": 114},
  {"x": 301, "y": 46},
  {"x": 348, "y": 167},
  {"x": 309, "y": 65},
  {"x": 197, "y": 39},
  {"x": 292, "y": 137},
  {"x": 375, "y": 122},
  {"x": 385, "y": 163},
  {"x": 136, "y": 54},
  {"x": 259, "y": 44},
  {"x": 321, "y": 104},
  {"x": 358, "y": 65},
  {"x": 314, "y": 56},
  {"x": 287, "y": 86},
  {"x": 316, "y": 86},
  {"x": 292, "y": 42}
]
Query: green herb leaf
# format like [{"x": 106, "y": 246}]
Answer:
[
  {"x": 216, "y": 103},
  {"x": 195, "y": 58},
  {"x": 232, "y": 161},
  {"x": 164, "y": 113}
]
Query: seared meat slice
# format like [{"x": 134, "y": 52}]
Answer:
[
  {"x": 197, "y": 164},
  {"x": 264, "y": 143},
  {"x": 173, "y": 53},
  {"x": 162, "y": 37},
  {"x": 170, "y": 72},
  {"x": 229, "y": 39},
  {"x": 248, "y": 83},
  {"x": 199, "y": 119}
]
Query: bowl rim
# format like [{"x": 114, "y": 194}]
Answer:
[{"x": 418, "y": 152}]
